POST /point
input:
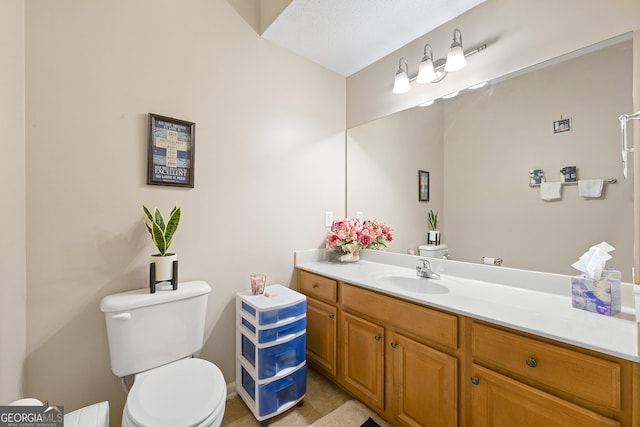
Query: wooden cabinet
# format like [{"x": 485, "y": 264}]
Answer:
[
  {"x": 322, "y": 333},
  {"x": 389, "y": 362},
  {"x": 568, "y": 372},
  {"x": 322, "y": 321},
  {"x": 418, "y": 366},
  {"x": 363, "y": 359},
  {"x": 516, "y": 376},
  {"x": 500, "y": 401},
  {"x": 425, "y": 383},
  {"x": 318, "y": 287}
]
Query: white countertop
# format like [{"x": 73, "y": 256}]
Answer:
[{"x": 533, "y": 302}]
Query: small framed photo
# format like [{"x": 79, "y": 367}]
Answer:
[
  {"x": 171, "y": 151},
  {"x": 562, "y": 125},
  {"x": 423, "y": 186}
]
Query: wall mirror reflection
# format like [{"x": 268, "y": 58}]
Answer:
[{"x": 479, "y": 148}]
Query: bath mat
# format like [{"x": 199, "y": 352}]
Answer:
[
  {"x": 351, "y": 413},
  {"x": 370, "y": 423}
]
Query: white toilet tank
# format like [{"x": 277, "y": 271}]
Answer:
[
  {"x": 433, "y": 251},
  {"x": 149, "y": 330}
]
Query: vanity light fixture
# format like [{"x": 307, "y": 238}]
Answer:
[
  {"x": 401, "y": 84},
  {"x": 426, "y": 72},
  {"x": 427, "y": 103},
  {"x": 455, "y": 59},
  {"x": 450, "y": 95},
  {"x": 433, "y": 70}
]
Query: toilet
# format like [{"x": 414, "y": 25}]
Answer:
[
  {"x": 434, "y": 251},
  {"x": 153, "y": 337}
]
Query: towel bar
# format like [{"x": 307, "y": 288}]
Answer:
[{"x": 606, "y": 181}]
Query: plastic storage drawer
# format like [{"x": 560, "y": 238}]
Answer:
[
  {"x": 283, "y": 307},
  {"x": 270, "y": 397},
  {"x": 271, "y": 370},
  {"x": 276, "y": 358},
  {"x": 277, "y": 333}
]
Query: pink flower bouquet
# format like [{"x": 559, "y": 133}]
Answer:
[{"x": 348, "y": 236}]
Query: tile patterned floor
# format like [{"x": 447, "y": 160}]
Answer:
[{"x": 322, "y": 397}]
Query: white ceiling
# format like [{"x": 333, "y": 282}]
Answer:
[{"x": 348, "y": 35}]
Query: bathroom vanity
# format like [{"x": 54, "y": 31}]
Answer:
[{"x": 482, "y": 346}]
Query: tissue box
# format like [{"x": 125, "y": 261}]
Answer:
[{"x": 600, "y": 296}]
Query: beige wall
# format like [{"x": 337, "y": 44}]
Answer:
[
  {"x": 269, "y": 12},
  {"x": 519, "y": 33},
  {"x": 269, "y": 129},
  {"x": 13, "y": 282},
  {"x": 383, "y": 159},
  {"x": 495, "y": 135},
  {"x": 249, "y": 10},
  {"x": 269, "y": 162},
  {"x": 259, "y": 14}
]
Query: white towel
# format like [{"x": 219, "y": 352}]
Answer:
[
  {"x": 590, "y": 187},
  {"x": 550, "y": 190}
]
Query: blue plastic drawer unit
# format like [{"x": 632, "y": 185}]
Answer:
[
  {"x": 274, "y": 395},
  {"x": 277, "y": 333},
  {"x": 283, "y": 307},
  {"x": 270, "y": 361},
  {"x": 271, "y": 369}
]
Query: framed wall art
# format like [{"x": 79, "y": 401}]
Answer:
[
  {"x": 423, "y": 186},
  {"x": 562, "y": 125},
  {"x": 171, "y": 151}
]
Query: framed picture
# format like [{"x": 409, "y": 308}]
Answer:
[
  {"x": 562, "y": 125},
  {"x": 423, "y": 186},
  {"x": 171, "y": 151}
]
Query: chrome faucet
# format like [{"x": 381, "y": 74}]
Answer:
[{"x": 425, "y": 270}]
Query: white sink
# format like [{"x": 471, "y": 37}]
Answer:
[{"x": 404, "y": 281}]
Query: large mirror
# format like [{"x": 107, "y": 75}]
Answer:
[{"x": 479, "y": 148}]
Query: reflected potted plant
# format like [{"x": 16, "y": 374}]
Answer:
[
  {"x": 433, "y": 237},
  {"x": 162, "y": 236}
]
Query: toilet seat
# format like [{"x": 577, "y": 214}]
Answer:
[{"x": 186, "y": 393}]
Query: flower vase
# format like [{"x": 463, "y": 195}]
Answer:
[{"x": 349, "y": 257}]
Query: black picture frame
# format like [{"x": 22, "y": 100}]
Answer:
[
  {"x": 562, "y": 125},
  {"x": 171, "y": 151},
  {"x": 423, "y": 186}
]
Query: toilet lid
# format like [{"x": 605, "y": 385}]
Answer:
[{"x": 182, "y": 393}]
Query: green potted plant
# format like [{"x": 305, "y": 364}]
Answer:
[
  {"x": 162, "y": 236},
  {"x": 433, "y": 238}
]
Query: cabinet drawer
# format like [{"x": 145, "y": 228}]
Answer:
[
  {"x": 585, "y": 377},
  {"x": 318, "y": 287},
  {"x": 432, "y": 325}
]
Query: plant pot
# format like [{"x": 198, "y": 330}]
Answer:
[
  {"x": 164, "y": 266},
  {"x": 433, "y": 237}
]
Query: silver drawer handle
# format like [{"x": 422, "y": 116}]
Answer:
[
  {"x": 377, "y": 337},
  {"x": 475, "y": 380},
  {"x": 331, "y": 315},
  {"x": 531, "y": 362},
  {"x": 394, "y": 344},
  {"x": 315, "y": 285}
]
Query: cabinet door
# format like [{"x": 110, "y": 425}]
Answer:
[
  {"x": 425, "y": 384},
  {"x": 499, "y": 401},
  {"x": 363, "y": 359},
  {"x": 322, "y": 326}
]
